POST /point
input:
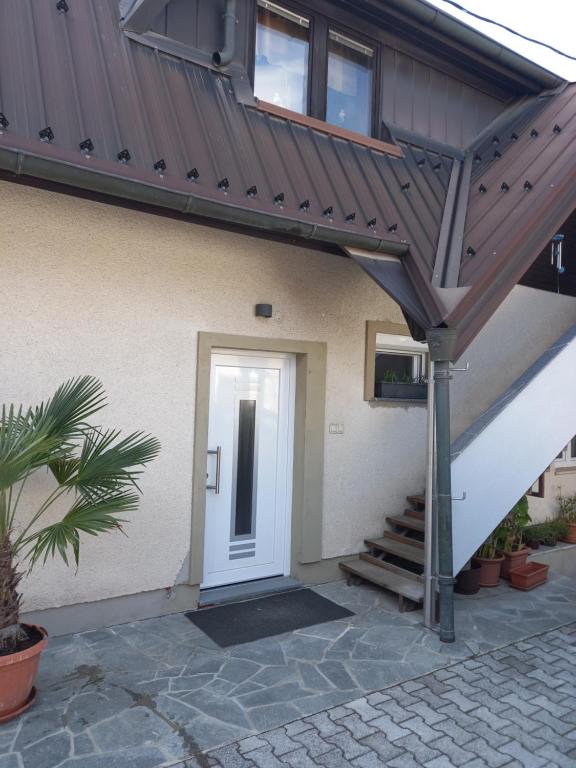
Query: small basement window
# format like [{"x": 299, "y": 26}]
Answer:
[{"x": 396, "y": 365}]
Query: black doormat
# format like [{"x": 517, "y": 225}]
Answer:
[{"x": 239, "y": 623}]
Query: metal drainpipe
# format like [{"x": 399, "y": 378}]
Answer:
[
  {"x": 223, "y": 57},
  {"x": 444, "y": 494},
  {"x": 430, "y": 569},
  {"x": 441, "y": 343}
]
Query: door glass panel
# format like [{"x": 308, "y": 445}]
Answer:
[
  {"x": 243, "y": 504},
  {"x": 350, "y": 78},
  {"x": 282, "y": 46}
]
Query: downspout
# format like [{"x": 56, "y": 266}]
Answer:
[
  {"x": 430, "y": 510},
  {"x": 442, "y": 346},
  {"x": 223, "y": 57}
]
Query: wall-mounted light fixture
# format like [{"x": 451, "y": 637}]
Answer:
[{"x": 263, "y": 310}]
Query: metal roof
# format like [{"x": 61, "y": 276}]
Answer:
[{"x": 84, "y": 105}]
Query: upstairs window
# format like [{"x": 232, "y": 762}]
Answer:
[
  {"x": 350, "y": 83},
  {"x": 304, "y": 64},
  {"x": 282, "y": 53}
]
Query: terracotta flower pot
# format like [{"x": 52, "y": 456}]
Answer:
[
  {"x": 489, "y": 570},
  {"x": 528, "y": 576},
  {"x": 571, "y": 535},
  {"x": 468, "y": 580},
  {"x": 17, "y": 675},
  {"x": 513, "y": 560}
]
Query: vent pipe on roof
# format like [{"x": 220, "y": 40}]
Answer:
[{"x": 223, "y": 57}]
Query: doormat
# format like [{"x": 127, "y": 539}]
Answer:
[{"x": 239, "y": 623}]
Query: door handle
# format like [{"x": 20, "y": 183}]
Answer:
[{"x": 216, "y": 486}]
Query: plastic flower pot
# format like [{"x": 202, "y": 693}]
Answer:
[
  {"x": 490, "y": 569},
  {"x": 468, "y": 580},
  {"x": 570, "y": 537},
  {"x": 529, "y": 576},
  {"x": 513, "y": 560},
  {"x": 17, "y": 674}
]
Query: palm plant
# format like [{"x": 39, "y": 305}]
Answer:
[{"x": 94, "y": 472}]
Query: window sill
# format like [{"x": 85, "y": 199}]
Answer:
[
  {"x": 382, "y": 401},
  {"x": 331, "y": 130}
]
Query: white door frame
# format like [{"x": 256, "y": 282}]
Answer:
[{"x": 287, "y": 401}]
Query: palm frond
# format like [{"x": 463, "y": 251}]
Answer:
[
  {"x": 85, "y": 516},
  {"x": 24, "y": 446},
  {"x": 107, "y": 463},
  {"x": 65, "y": 413}
]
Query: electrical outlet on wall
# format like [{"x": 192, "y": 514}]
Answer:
[{"x": 336, "y": 429}]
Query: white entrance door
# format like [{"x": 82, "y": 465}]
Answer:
[{"x": 249, "y": 470}]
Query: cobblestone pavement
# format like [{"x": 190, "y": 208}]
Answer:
[{"x": 511, "y": 708}]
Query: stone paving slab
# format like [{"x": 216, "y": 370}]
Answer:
[
  {"x": 155, "y": 691},
  {"x": 413, "y": 724}
]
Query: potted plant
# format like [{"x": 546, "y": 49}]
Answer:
[
  {"x": 513, "y": 549},
  {"x": 392, "y": 385},
  {"x": 567, "y": 510},
  {"x": 91, "y": 475},
  {"x": 489, "y": 560},
  {"x": 468, "y": 580}
]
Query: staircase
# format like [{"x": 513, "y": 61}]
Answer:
[
  {"x": 395, "y": 561},
  {"x": 494, "y": 462}
]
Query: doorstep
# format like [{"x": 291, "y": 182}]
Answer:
[{"x": 233, "y": 593}]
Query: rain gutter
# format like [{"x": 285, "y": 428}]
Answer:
[{"x": 24, "y": 162}]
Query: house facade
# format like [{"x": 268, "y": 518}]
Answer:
[{"x": 202, "y": 203}]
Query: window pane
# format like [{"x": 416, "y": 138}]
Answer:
[
  {"x": 282, "y": 45},
  {"x": 350, "y": 73},
  {"x": 243, "y": 517},
  {"x": 390, "y": 367}
]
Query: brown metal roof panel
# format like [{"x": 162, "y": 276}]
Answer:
[
  {"x": 20, "y": 70},
  {"x": 495, "y": 216}
]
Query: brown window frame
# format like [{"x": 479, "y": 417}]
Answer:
[{"x": 317, "y": 95}]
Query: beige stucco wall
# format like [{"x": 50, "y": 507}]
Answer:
[
  {"x": 91, "y": 288},
  {"x": 559, "y": 480},
  {"x": 522, "y": 328}
]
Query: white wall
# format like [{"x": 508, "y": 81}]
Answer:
[
  {"x": 91, "y": 288},
  {"x": 523, "y": 327},
  {"x": 497, "y": 467}
]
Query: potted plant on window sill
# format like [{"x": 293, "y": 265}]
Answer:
[
  {"x": 490, "y": 562},
  {"x": 567, "y": 509},
  {"x": 396, "y": 387},
  {"x": 513, "y": 549},
  {"x": 91, "y": 473}
]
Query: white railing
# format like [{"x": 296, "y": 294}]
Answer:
[{"x": 504, "y": 452}]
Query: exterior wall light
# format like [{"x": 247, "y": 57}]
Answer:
[{"x": 264, "y": 310}]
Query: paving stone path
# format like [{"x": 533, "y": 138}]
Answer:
[{"x": 510, "y": 708}]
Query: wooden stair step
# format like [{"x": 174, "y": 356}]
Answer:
[
  {"x": 416, "y": 499},
  {"x": 417, "y": 513},
  {"x": 404, "y": 538},
  {"x": 385, "y": 578},
  {"x": 407, "y": 521},
  {"x": 403, "y": 549},
  {"x": 391, "y": 567}
]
